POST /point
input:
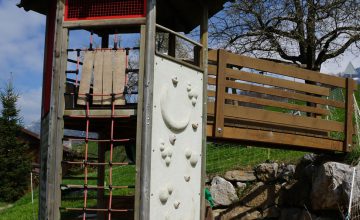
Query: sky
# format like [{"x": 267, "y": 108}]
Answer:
[{"x": 21, "y": 56}]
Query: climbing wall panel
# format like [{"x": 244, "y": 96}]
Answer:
[{"x": 176, "y": 142}]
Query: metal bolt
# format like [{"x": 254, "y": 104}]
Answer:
[{"x": 219, "y": 130}]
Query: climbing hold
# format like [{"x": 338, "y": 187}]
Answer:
[
  {"x": 167, "y": 161},
  {"x": 187, "y": 178},
  {"x": 164, "y": 154},
  {"x": 193, "y": 160},
  {"x": 176, "y": 204},
  {"x": 169, "y": 152},
  {"x": 172, "y": 139},
  {"x": 188, "y": 88},
  {"x": 193, "y": 101},
  {"x": 170, "y": 189},
  {"x": 163, "y": 196},
  {"x": 162, "y": 147},
  {"x": 175, "y": 80},
  {"x": 195, "y": 126},
  {"x": 187, "y": 153}
]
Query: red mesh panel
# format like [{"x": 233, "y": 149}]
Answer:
[{"x": 100, "y": 9}]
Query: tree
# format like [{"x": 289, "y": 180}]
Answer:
[
  {"x": 304, "y": 32},
  {"x": 14, "y": 164}
]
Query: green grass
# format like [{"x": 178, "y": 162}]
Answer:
[{"x": 22, "y": 209}]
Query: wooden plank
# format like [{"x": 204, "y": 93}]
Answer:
[
  {"x": 211, "y": 81},
  {"x": 107, "y": 79},
  {"x": 103, "y": 23},
  {"x": 212, "y": 55},
  {"x": 272, "y": 81},
  {"x": 98, "y": 77},
  {"x": 264, "y": 116},
  {"x": 211, "y": 93},
  {"x": 119, "y": 76},
  {"x": 212, "y": 69},
  {"x": 349, "y": 110},
  {"x": 286, "y": 70},
  {"x": 101, "y": 112},
  {"x": 277, "y": 138},
  {"x": 268, "y": 102},
  {"x": 86, "y": 73},
  {"x": 220, "y": 92},
  {"x": 284, "y": 94}
]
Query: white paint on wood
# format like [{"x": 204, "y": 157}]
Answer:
[
  {"x": 175, "y": 164},
  {"x": 119, "y": 68},
  {"x": 107, "y": 76},
  {"x": 98, "y": 78}
]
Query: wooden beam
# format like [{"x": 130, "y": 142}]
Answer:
[
  {"x": 83, "y": 24},
  {"x": 268, "y": 102},
  {"x": 277, "y": 138},
  {"x": 349, "y": 112},
  {"x": 220, "y": 92},
  {"x": 284, "y": 94},
  {"x": 272, "y": 81},
  {"x": 286, "y": 70},
  {"x": 277, "y": 118}
]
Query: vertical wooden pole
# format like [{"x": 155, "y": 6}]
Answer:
[
  {"x": 149, "y": 57},
  {"x": 348, "y": 141},
  {"x": 139, "y": 121},
  {"x": 220, "y": 93},
  {"x": 204, "y": 64}
]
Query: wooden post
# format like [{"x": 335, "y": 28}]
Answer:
[
  {"x": 220, "y": 94},
  {"x": 148, "y": 88},
  {"x": 204, "y": 65},
  {"x": 349, "y": 108}
]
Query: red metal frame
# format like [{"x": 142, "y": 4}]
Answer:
[{"x": 66, "y": 13}]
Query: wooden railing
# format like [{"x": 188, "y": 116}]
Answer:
[{"x": 277, "y": 103}]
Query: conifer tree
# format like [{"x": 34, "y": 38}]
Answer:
[{"x": 14, "y": 163}]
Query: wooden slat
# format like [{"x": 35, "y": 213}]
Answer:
[
  {"x": 212, "y": 81},
  {"x": 263, "y": 116},
  {"x": 86, "y": 73},
  {"x": 102, "y": 112},
  {"x": 284, "y": 94},
  {"x": 267, "y": 102},
  {"x": 212, "y": 55},
  {"x": 107, "y": 77},
  {"x": 119, "y": 76},
  {"x": 272, "y": 81},
  {"x": 211, "y": 93},
  {"x": 277, "y": 138},
  {"x": 98, "y": 77},
  {"x": 212, "y": 69},
  {"x": 286, "y": 70}
]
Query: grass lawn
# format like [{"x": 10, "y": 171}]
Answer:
[{"x": 22, "y": 209}]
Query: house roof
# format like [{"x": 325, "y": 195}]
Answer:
[{"x": 181, "y": 16}]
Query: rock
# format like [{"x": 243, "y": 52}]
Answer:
[
  {"x": 272, "y": 212},
  {"x": 217, "y": 212},
  {"x": 286, "y": 172},
  {"x": 296, "y": 214},
  {"x": 223, "y": 192},
  {"x": 295, "y": 194},
  {"x": 240, "y": 186},
  {"x": 241, "y": 213},
  {"x": 262, "y": 196},
  {"x": 240, "y": 176},
  {"x": 306, "y": 167},
  {"x": 327, "y": 190},
  {"x": 266, "y": 171}
]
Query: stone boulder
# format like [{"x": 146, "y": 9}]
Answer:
[
  {"x": 240, "y": 186},
  {"x": 240, "y": 176},
  {"x": 239, "y": 212},
  {"x": 266, "y": 172},
  {"x": 327, "y": 187},
  {"x": 296, "y": 214},
  {"x": 223, "y": 192},
  {"x": 286, "y": 172},
  {"x": 262, "y": 196}
]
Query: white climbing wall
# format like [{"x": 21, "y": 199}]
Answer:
[{"x": 176, "y": 142}]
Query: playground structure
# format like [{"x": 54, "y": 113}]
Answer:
[{"x": 160, "y": 117}]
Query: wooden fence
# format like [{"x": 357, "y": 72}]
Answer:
[{"x": 266, "y": 103}]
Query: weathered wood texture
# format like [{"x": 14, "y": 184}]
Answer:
[
  {"x": 250, "y": 91},
  {"x": 107, "y": 69}
]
